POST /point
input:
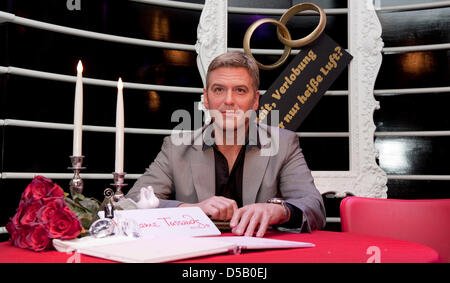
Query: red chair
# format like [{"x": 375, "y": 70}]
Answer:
[{"x": 425, "y": 222}]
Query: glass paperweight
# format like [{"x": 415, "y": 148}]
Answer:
[
  {"x": 128, "y": 227},
  {"x": 102, "y": 228}
]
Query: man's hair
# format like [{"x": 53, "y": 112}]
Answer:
[{"x": 235, "y": 59}]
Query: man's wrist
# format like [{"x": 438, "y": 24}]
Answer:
[
  {"x": 288, "y": 214},
  {"x": 282, "y": 204}
]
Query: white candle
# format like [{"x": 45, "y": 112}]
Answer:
[
  {"x": 78, "y": 112},
  {"x": 119, "y": 128}
]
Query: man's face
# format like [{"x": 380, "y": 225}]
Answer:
[{"x": 229, "y": 96}]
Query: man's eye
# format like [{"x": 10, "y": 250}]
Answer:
[
  {"x": 218, "y": 89},
  {"x": 241, "y": 90}
]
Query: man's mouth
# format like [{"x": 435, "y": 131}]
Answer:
[{"x": 230, "y": 112}]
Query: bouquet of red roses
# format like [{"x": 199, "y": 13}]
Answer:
[{"x": 42, "y": 215}]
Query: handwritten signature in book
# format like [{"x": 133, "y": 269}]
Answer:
[{"x": 187, "y": 220}]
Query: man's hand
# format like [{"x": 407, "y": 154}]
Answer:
[
  {"x": 219, "y": 208},
  {"x": 256, "y": 216}
]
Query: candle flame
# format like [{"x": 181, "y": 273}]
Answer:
[
  {"x": 80, "y": 67},
  {"x": 120, "y": 84}
]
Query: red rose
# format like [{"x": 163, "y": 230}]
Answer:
[
  {"x": 16, "y": 218},
  {"x": 42, "y": 215},
  {"x": 41, "y": 187},
  {"x": 64, "y": 224},
  {"x": 38, "y": 239},
  {"x": 19, "y": 238},
  {"x": 55, "y": 192},
  {"x": 29, "y": 212},
  {"x": 12, "y": 229},
  {"x": 47, "y": 211}
]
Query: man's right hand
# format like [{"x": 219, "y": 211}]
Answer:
[{"x": 219, "y": 208}]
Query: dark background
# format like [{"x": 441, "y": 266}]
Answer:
[{"x": 47, "y": 151}]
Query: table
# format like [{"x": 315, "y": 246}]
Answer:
[{"x": 330, "y": 247}]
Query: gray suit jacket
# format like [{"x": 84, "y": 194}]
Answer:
[{"x": 186, "y": 173}]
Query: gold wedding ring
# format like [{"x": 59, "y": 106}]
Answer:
[
  {"x": 310, "y": 37},
  {"x": 249, "y": 33},
  {"x": 283, "y": 33}
]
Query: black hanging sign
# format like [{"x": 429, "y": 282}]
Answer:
[{"x": 304, "y": 81}]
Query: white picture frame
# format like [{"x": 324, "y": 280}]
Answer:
[{"x": 364, "y": 177}]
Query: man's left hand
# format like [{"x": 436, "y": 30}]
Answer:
[{"x": 256, "y": 216}]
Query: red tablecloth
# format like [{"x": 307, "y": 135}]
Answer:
[{"x": 330, "y": 247}]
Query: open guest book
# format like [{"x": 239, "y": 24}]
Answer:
[
  {"x": 168, "y": 234},
  {"x": 146, "y": 250},
  {"x": 165, "y": 249}
]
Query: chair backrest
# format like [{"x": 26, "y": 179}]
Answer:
[{"x": 422, "y": 221}]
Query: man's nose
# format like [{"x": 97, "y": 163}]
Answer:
[{"x": 229, "y": 97}]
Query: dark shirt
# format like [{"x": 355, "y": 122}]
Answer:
[{"x": 229, "y": 183}]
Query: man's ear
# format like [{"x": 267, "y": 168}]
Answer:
[
  {"x": 256, "y": 102},
  {"x": 205, "y": 98}
]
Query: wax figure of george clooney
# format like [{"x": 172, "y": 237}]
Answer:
[{"x": 235, "y": 169}]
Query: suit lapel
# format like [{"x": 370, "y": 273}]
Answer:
[
  {"x": 255, "y": 166},
  {"x": 203, "y": 174}
]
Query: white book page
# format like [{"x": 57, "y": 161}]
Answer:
[
  {"x": 66, "y": 246},
  {"x": 159, "y": 249},
  {"x": 263, "y": 243}
]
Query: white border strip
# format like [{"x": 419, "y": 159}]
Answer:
[
  {"x": 107, "y": 83},
  {"x": 92, "y": 176},
  {"x": 61, "y": 126},
  {"x": 193, "y": 6},
  {"x": 333, "y": 220},
  {"x": 415, "y": 48},
  {"x": 107, "y": 176},
  {"x": 385, "y": 50},
  {"x": 94, "y": 35},
  {"x": 381, "y": 92},
  {"x": 268, "y": 11},
  {"x": 172, "y": 4},
  {"x": 412, "y": 7},
  {"x": 323, "y": 134},
  {"x": 265, "y": 51},
  {"x": 178, "y": 46},
  {"x": 236, "y": 10},
  {"x": 72, "y": 79},
  {"x": 414, "y": 134},
  {"x": 97, "y": 82},
  {"x": 420, "y": 177}
]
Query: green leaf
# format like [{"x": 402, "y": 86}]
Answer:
[
  {"x": 90, "y": 205},
  {"x": 85, "y": 208},
  {"x": 79, "y": 196},
  {"x": 86, "y": 222}
]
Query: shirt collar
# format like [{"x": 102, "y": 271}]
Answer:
[{"x": 250, "y": 141}]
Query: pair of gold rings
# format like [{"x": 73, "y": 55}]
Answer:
[{"x": 283, "y": 33}]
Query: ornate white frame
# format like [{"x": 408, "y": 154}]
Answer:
[{"x": 365, "y": 177}]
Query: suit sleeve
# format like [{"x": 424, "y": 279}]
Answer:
[
  {"x": 159, "y": 176},
  {"x": 298, "y": 189}
]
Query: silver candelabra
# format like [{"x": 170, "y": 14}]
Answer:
[
  {"x": 76, "y": 184},
  {"x": 119, "y": 178}
]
